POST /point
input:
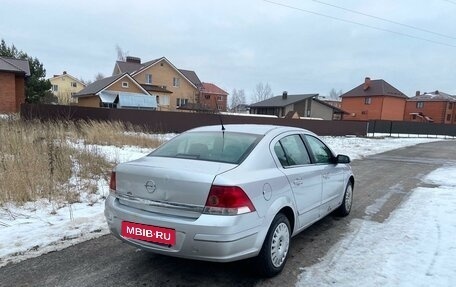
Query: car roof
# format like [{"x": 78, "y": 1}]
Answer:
[{"x": 248, "y": 128}]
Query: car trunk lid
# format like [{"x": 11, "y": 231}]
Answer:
[{"x": 164, "y": 185}]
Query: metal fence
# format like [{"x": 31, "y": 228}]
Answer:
[
  {"x": 411, "y": 128},
  {"x": 158, "y": 121}
]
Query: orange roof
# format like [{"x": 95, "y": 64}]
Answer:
[{"x": 209, "y": 88}]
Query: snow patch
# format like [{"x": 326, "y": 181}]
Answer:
[{"x": 415, "y": 246}]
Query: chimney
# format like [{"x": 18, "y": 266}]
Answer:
[
  {"x": 131, "y": 59},
  {"x": 284, "y": 95},
  {"x": 367, "y": 82},
  {"x": 437, "y": 92},
  {"x": 64, "y": 72},
  {"x": 417, "y": 93}
]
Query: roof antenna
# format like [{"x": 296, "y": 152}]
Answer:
[
  {"x": 220, "y": 117},
  {"x": 221, "y": 122}
]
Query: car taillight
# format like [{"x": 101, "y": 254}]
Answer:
[
  {"x": 112, "y": 182},
  {"x": 227, "y": 200}
]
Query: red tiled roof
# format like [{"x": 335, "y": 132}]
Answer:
[{"x": 209, "y": 88}]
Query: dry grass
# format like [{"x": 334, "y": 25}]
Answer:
[
  {"x": 38, "y": 161},
  {"x": 116, "y": 133}
]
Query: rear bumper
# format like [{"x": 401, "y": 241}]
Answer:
[{"x": 209, "y": 237}]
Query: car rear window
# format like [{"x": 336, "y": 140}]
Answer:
[{"x": 229, "y": 147}]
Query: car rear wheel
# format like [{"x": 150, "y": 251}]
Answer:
[
  {"x": 274, "y": 252},
  {"x": 345, "y": 208}
]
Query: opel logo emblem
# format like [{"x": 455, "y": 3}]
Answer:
[{"x": 150, "y": 186}]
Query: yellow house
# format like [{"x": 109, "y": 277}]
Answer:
[
  {"x": 172, "y": 87},
  {"x": 65, "y": 86},
  {"x": 119, "y": 91}
]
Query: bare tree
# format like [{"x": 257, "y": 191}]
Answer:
[
  {"x": 237, "y": 98},
  {"x": 85, "y": 82},
  {"x": 241, "y": 96},
  {"x": 99, "y": 76},
  {"x": 262, "y": 92},
  {"x": 121, "y": 54},
  {"x": 333, "y": 94}
]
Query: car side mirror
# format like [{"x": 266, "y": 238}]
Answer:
[{"x": 341, "y": 158}]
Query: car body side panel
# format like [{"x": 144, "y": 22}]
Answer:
[
  {"x": 306, "y": 183},
  {"x": 333, "y": 186}
]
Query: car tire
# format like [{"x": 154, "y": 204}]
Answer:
[
  {"x": 274, "y": 252},
  {"x": 345, "y": 208}
]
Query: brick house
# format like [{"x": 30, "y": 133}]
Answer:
[
  {"x": 374, "y": 100},
  {"x": 12, "y": 83},
  {"x": 436, "y": 107},
  {"x": 213, "y": 97}
]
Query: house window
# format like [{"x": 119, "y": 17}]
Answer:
[
  {"x": 181, "y": 102},
  {"x": 73, "y": 84},
  {"x": 163, "y": 100},
  {"x": 207, "y": 97},
  {"x": 450, "y": 106},
  {"x": 124, "y": 84},
  {"x": 148, "y": 78},
  {"x": 448, "y": 118},
  {"x": 219, "y": 98},
  {"x": 419, "y": 105},
  {"x": 55, "y": 88},
  {"x": 367, "y": 100},
  {"x": 176, "y": 82}
]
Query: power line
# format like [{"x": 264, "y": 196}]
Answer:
[
  {"x": 360, "y": 24},
  {"x": 388, "y": 20}
]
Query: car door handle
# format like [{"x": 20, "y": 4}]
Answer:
[
  {"x": 298, "y": 182},
  {"x": 325, "y": 175}
]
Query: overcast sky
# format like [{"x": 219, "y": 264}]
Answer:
[{"x": 239, "y": 43}]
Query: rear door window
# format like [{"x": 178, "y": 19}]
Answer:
[{"x": 291, "y": 151}]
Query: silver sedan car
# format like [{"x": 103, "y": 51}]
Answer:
[{"x": 225, "y": 193}]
